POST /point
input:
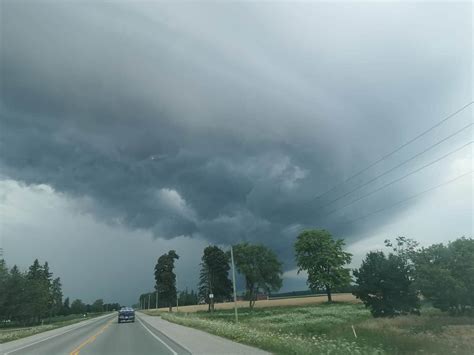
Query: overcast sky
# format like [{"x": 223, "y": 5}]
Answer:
[{"x": 132, "y": 128}]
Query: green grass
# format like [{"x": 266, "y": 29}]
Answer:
[
  {"x": 327, "y": 329},
  {"x": 14, "y": 333}
]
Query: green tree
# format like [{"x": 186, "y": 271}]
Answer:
[
  {"x": 29, "y": 297},
  {"x": 16, "y": 296},
  {"x": 384, "y": 285},
  {"x": 111, "y": 306},
  {"x": 78, "y": 307},
  {"x": 97, "y": 306},
  {"x": 66, "y": 309},
  {"x": 323, "y": 258},
  {"x": 4, "y": 278},
  {"x": 261, "y": 268},
  {"x": 214, "y": 276},
  {"x": 166, "y": 278},
  {"x": 445, "y": 275},
  {"x": 187, "y": 298},
  {"x": 37, "y": 291},
  {"x": 56, "y": 296}
]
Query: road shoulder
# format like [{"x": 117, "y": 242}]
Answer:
[{"x": 197, "y": 341}]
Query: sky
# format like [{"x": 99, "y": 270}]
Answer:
[{"x": 131, "y": 128}]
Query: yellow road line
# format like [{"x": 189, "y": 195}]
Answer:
[{"x": 77, "y": 350}]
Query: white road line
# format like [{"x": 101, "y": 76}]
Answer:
[
  {"x": 157, "y": 338},
  {"x": 52, "y": 336}
]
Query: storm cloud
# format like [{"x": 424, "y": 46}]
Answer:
[{"x": 224, "y": 121}]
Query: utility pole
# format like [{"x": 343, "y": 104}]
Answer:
[
  {"x": 233, "y": 281},
  {"x": 149, "y": 295},
  {"x": 156, "y": 300}
]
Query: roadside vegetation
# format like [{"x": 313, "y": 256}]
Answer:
[
  {"x": 409, "y": 299},
  {"x": 327, "y": 329},
  {"x": 32, "y": 302},
  {"x": 12, "y": 332}
]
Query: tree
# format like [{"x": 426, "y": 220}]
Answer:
[
  {"x": 97, "y": 306},
  {"x": 4, "y": 278},
  {"x": 16, "y": 296},
  {"x": 78, "y": 307},
  {"x": 56, "y": 296},
  {"x": 166, "y": 279},
  {"x": 261, "y": 268},
  {"x": 214, "y": 276},
  {"x": 111, "y": 307},
  {"x": 37, "y": 290},
  {"x": 188, "y": 298},
  {"x": 384, "y": 285},
  {"x": 66, "y": 309},
  {"x": 323, "y": 259},
  {"x": 445, "y": 275}
]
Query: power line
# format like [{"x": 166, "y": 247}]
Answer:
[
  {"x": 409, "y": 198},
  {"x": 394, "y": 151},
  {"x": 401, "y": 178},
  {"x": 397, "y": 166}
]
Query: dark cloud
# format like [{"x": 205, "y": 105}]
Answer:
[{"x": 223, "y": 120}]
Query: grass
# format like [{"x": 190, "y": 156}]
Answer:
[
  {"x": 13, "y": 333},
  {"x": 327, "y": 329},
  {"x": 279, "y": 302}
]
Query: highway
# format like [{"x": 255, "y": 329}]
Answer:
[{"x": 103, "y": 335}]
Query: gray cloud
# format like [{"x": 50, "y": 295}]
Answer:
[{"x": 222, "y": 121}]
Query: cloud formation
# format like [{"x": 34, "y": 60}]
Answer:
[{"x": 223, "y": 121}]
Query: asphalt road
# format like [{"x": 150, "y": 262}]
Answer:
[{"x": 103, "y": 335}]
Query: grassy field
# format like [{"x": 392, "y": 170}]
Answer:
[
  {"x": 14, "y": 333},
  {"x": 327, "y": 329},
  {"x": 285, "y": 302}
]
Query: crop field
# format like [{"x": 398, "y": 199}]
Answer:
[
  {"x": 329, "y": 329},
  {"x": 297, "y": 301}
]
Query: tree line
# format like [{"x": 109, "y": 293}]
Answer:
[
  {"x": 388, "y": 283},
  {"x": 35, "y": 295},
  {"x": 393, "y": 283},
  {"x": 150, "y": 299},
  {"x": 258, "y": 265}
]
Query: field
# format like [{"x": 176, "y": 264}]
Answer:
[
  {"x": 297, "y": 301},
  {"x": 327, "y": 329},
  {"x": 14, "y": 333}
]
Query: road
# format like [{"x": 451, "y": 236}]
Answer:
[{"x": 103, "y": 335}]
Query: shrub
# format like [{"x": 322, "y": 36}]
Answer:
[
  {"x": 445, "y": 275},
  {"x": 384, "y": 285}
]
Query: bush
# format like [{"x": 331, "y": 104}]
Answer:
[
  {"x": 384, "y": 285},
  {"x": 445, "y": 275}
]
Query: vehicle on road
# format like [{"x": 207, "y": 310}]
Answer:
[{"x": 126, "y": 314}]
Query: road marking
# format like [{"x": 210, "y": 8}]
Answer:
[
  {"x": 77, "y": 350},
  {"x": 53, "y": 336},
  {"x": 156, "y": 337}
]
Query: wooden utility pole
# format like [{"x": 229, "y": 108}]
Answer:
[{"x": 233, "y": 281}]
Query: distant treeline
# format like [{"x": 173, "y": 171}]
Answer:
[
  {"x": 389, "y": 283},
  {"x": 302, "y": 293},
  {"x": 35, "y": 295},
  {"x": 149, "y": 300}
]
